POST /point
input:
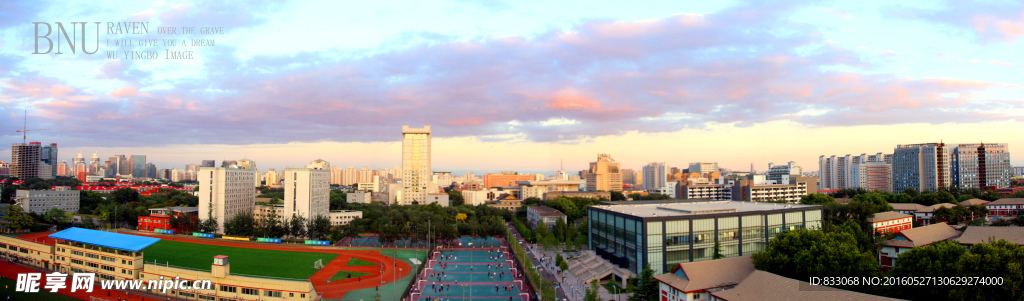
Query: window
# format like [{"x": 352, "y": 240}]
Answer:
[
  {"x": 229, "y": 289},
  {"x": 274, "y": 294},
  {"x": 250, "y": 291}
]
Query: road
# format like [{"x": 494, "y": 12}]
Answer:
[{"x": 545, "y": 272}]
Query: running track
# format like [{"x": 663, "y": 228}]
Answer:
[{"x": 333, "y": 290}]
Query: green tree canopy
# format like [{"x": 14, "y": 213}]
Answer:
[{"x": 804, "y": 253}]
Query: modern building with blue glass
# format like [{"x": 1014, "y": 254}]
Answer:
[{"x": 666, "y": 233}]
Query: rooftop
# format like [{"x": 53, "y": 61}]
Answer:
[
  {"x": 976, "y": 234},
  {"x": 545, "y": 211},
  {"x": 709, "y": 274},
  {"x": 1012, "y": 201},
  {"x": 178, "y": 209},
  {"x": 907, "y": 206},
  {"x": 111, "y": 240},
  {"x": 887, "y": 216},
  {"x": 973, "y": 202},
  {"x": 691, "y": 208},
  {"x": 936, "y": 206},
  {"x": 922, "y": 236},
  {"x": 761, "y": 285}
]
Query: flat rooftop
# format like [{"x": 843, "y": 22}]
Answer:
[{"x": 694, "y": 208}]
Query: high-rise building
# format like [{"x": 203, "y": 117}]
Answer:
[
  {"x": 208, "y": 163},
  {"x": 94, "y": 163},
  {"x": 319, "y": 164},
  {"x": 138, "y": 163},
  {"x": 981, "y": 166},
  {"x": 1018, "y": 170},
  {"x": 873, "y": 176},
  {"x": 837, "y": 172},
  {"x": 48, "y": 155},
  {"x": 777, "y": 172},
  {"x": 628, "y": 177},
  {"x": 349, "y": 176},
  {"x": 123, "y": 166},
  {"x": 416, "y": 175},
  {"x": 703, "y": 168},
  {"x": 225, "y": 192},
  {"x": 151, "y": 171},
  {"x": 604, "y": 174},
  {"x": 272, "y": 178},
  {"x": 62, "y": 169},
  {"x": 505, "y": 178},
  {"x": 306, "y": 193},
  {"x": 365, "y": 175},
  {"x": 229, "y": 163},
  {"x": 336, "y": 175},
  {"x": 922, "y": 167},
  {"x": 654, "y": 176},
  {"x": 246, "y": 164},
  {"x": 25, "y": 160}
]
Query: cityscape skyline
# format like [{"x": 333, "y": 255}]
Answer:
[{"x": 686, "y": 82}]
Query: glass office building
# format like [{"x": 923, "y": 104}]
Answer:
[{"x": 666, "y": 233}]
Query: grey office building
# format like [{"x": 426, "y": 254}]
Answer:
[
  {"x": 663, "y": 234},
  {"x": 139, "y": 166}
]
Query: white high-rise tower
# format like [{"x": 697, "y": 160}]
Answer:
[{"x": 416, "y": 175}]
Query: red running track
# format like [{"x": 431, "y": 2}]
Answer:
[{"x": 333, "y": 290}]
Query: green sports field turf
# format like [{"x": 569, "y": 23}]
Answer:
[
  {"x": 342, "y": 275},
  {"x": 272, "y": 263},
  {"x": 356, "y": 262}
]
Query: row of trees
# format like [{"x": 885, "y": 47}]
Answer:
[{"x": 928, "y": 198}]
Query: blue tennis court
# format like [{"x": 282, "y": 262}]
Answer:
[
  {"x": 470, "y": 253},
  {"x": 455, "y": 267},
  {"x": 467, "y": 298},
  {"x": 474, "y": 277},
  {"x": 471, "y": 290}
]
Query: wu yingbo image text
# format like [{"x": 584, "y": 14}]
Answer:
[{"x": 85, "y": 37}]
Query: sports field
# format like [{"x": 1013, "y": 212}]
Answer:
[
  {"x": 272, "y": 263},
  {"x": 42, "y": 295}
]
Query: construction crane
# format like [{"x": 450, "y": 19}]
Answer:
[{"x": 24, "y": 131}]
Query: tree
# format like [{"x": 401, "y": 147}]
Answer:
[
  {"x": 718, "y": 251},
  {"x": 16, "y": 218},
  {"x": 592, "y": 292},
  {"x": 184, "y": 223},
  {"x": 242, "y": 224},
  {"x": 125, "y": 196},
  {"x": 456, "y": 197},
  {"x": 297, "y": 226},
  {"x": 318, "y": 227},
  {"x": 618, "y": 196},
  {"x": 648, "y": 288},
  {"x": 804, "y": 253},
  {"x": 817, "y": 199},
  {"x": 208, "y": 225},
  {"x": 57, "y": 216},
  {"x": 270, "y": 225}
]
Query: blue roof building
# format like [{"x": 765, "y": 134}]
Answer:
[{"x": 117, "y": 241}]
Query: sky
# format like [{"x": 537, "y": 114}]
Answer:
[{"x": 511, "y": 85}]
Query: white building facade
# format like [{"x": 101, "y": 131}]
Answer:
[{"x": 225, "y": 192}]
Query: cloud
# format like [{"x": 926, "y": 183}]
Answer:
[
  {"x": 599, "y": 78},
  {"x": 19, "y": 13},
  {"x": 991, "y": 21}
]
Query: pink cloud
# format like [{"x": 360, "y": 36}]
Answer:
[
  {"x": 471, "y": 121},
  {"x": 571, "y": 100},
  {"x": 142, "y": 16},
  {"x": 659, "y": 92},
  {"x": 1000, "y": 63},
  {"x": 128, "y": 91}
]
